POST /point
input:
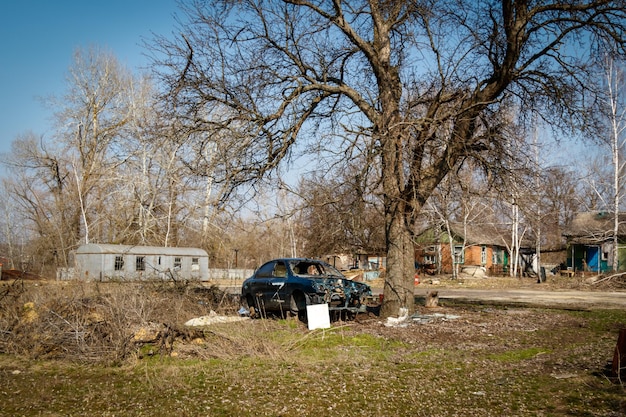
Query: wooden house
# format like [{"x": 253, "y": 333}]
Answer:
[
  {"x": 590, "y": 245},
  {"x": 473, "y": 248}
]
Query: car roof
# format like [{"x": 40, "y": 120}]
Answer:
[{"x": 296, "y": 260}]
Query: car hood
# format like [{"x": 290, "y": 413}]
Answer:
[{"x": 347, "y": 285}]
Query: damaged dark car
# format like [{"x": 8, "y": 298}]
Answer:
[{"x": 286, "y": 286}]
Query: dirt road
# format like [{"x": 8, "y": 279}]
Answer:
[
  {"x": 575, "y": 299},
  {"x": 510, "y": 291}
]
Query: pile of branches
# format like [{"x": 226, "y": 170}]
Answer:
[
  {"x": 612, "y": 281},
  {"x": 100, "y": 322}
]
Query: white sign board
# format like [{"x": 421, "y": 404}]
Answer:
[{"x": 318, "y": 316}]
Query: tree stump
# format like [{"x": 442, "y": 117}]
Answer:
[
  {"x": 432, "y": 298},
  {"x": 619, "y": 357}
]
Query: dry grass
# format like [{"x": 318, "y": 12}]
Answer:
[
  {"x": 85, "y": 349},
  {"x": 100, "y": 322}
]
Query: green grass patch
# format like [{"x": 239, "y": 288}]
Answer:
[
  {"x": 600, "y": 321},
  {"x": 518, "y": 354}
]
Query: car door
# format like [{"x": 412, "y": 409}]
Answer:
[
  {"x": 260, "y": 284},
  {"x": 274, "y": 293}
]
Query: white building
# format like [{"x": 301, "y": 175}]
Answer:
[{"x": 103, "y": 262}]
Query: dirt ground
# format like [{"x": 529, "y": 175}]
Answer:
[
  {"x": 60, "y": 340},
  {"x": 497, "y": 327}
]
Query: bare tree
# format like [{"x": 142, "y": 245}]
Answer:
[
  {"x": 78, "y": 186},
  {"x": 561, "y": 197},
  {"x": 13, "y": 231},
  {"x": 90, "y": 119},
  {"x": 338, "y": 213},
  {"x": 426, "y": 82},
  {"x": 616, "y": 114},
  {"x": 41, "y": 186}
]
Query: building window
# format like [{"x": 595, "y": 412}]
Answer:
[
  {"x": 119, "y": 263},
  {"x": 178, "y": 262},
  {"x": 430, "y": 259},
  {"x": 140, "y": 263},
  {"x": 195, "y": 264},
  {"x": 496, "y": 258},
  {"x": 483, "y": 255},
  {"x": 459, "y": 255},
  {"x": 430, "y": 255}
]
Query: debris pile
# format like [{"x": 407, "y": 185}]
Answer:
[
  {"x": 213, "y": 318},
  {"x": 405, "y": 320}
]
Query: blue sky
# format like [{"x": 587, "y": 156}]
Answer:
[{"x": 39, "y": 37}]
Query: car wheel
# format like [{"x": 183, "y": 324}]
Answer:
[
  {"x": 253, "y": 307},
  {"x": 298, "y": 305}
]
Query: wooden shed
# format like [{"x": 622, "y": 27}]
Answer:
[{"x": 126, "y": 262}]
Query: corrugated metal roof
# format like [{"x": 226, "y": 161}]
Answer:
[{"x": 98, "y": 248}]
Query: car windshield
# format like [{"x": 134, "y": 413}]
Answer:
[{"x": 309, "y": 268}]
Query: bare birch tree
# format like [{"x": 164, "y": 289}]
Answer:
[
  {"x": 90, "y": 118},
  {"x": 616, "y": 113}
]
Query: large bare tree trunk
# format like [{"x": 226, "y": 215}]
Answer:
[
  {"x": 399, "y": 283},
  {"x": 398, "y": 291}
]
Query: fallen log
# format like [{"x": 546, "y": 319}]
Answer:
[{"x": 609, "y": 278}]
